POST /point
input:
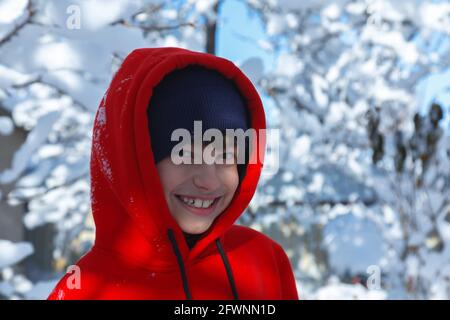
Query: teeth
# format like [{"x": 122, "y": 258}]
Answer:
[
  {"x": 206, "y": 204},
  {"x": 197, "y": 203}
]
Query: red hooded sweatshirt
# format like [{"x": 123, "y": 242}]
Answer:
[{"x": 140, "y": 252}]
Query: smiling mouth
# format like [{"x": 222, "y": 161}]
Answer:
[
  {"x": 198, "y": 206},
  {"x": 197, "y": 203}
]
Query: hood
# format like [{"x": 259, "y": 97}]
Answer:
[{"x": 131, "y": 215}]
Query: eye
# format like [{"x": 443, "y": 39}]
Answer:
[
  {"x": 186, "y": 153},
  {"x": 226, "y": 157}
]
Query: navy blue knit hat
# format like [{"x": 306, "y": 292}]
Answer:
[{"x": 189, "y": 94}]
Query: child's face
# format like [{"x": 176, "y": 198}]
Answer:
[{"x": 214, "y": 184}]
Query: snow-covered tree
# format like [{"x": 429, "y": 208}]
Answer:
[
  {"x": 56, "y": 61},
  {"x": 355, "y": 142}
]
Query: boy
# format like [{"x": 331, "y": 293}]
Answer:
[{"x": 164, "y": 223}]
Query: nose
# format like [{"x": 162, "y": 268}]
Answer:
[{"x": 206, "y": 178}]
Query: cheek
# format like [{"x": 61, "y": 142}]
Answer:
[
  {"x": 229, "y": 177},
  {"x": 169, "y": 175}
]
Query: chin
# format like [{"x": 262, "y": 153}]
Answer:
[{"x": 195, "y": 229}]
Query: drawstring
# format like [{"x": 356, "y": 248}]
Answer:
[
  {"x": 180, "y": 264},
  {"x": 225, "y": 261},
  {"x": 228, "y": 268}
]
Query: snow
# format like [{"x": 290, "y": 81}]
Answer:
[
  {"x": 316, "y": 184},
  {"x": 342, "y": 291},
  {"x": 101, "y": 118},
  {"x": 435, "y": 15},
  {"x": 288, "y": 65},
  {"x": 427, "y": 14},
  {"x": 406, "y": 50},
  {"x": 10, "y": 77},
  {"x": 56, "y": 56},
  {"x": 319, "y": 90},
  {"x": 111, "y": 11},
  {"x": 305, "y": 4},
  {"x": 302, "y": 146},
  {"x": 332, "y": 11},
  {"x": 56, "y": 12},
  {"x": 41, "y": 290},
  {"x": 291, "y": 21},
  {"x": 336, "y": 114},
  {"x": 353, "y": 244},
  {"x": 106, "y": 168},
  {"x": 205, "y": 6},
  {"x": 27, "y": 112},
  {"x": 12, "y": 253},
  {"x": 10, "y": 10},
  {"x": 34, "y": 140},
  {"x": 6, "y": 126},
  {"x": 60, "y": 205},
  {"x": 383, "y": 92},
  {"x": 275, "y": 24}
]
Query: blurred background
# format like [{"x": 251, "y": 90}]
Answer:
[{"x": 360, "y": 90}]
